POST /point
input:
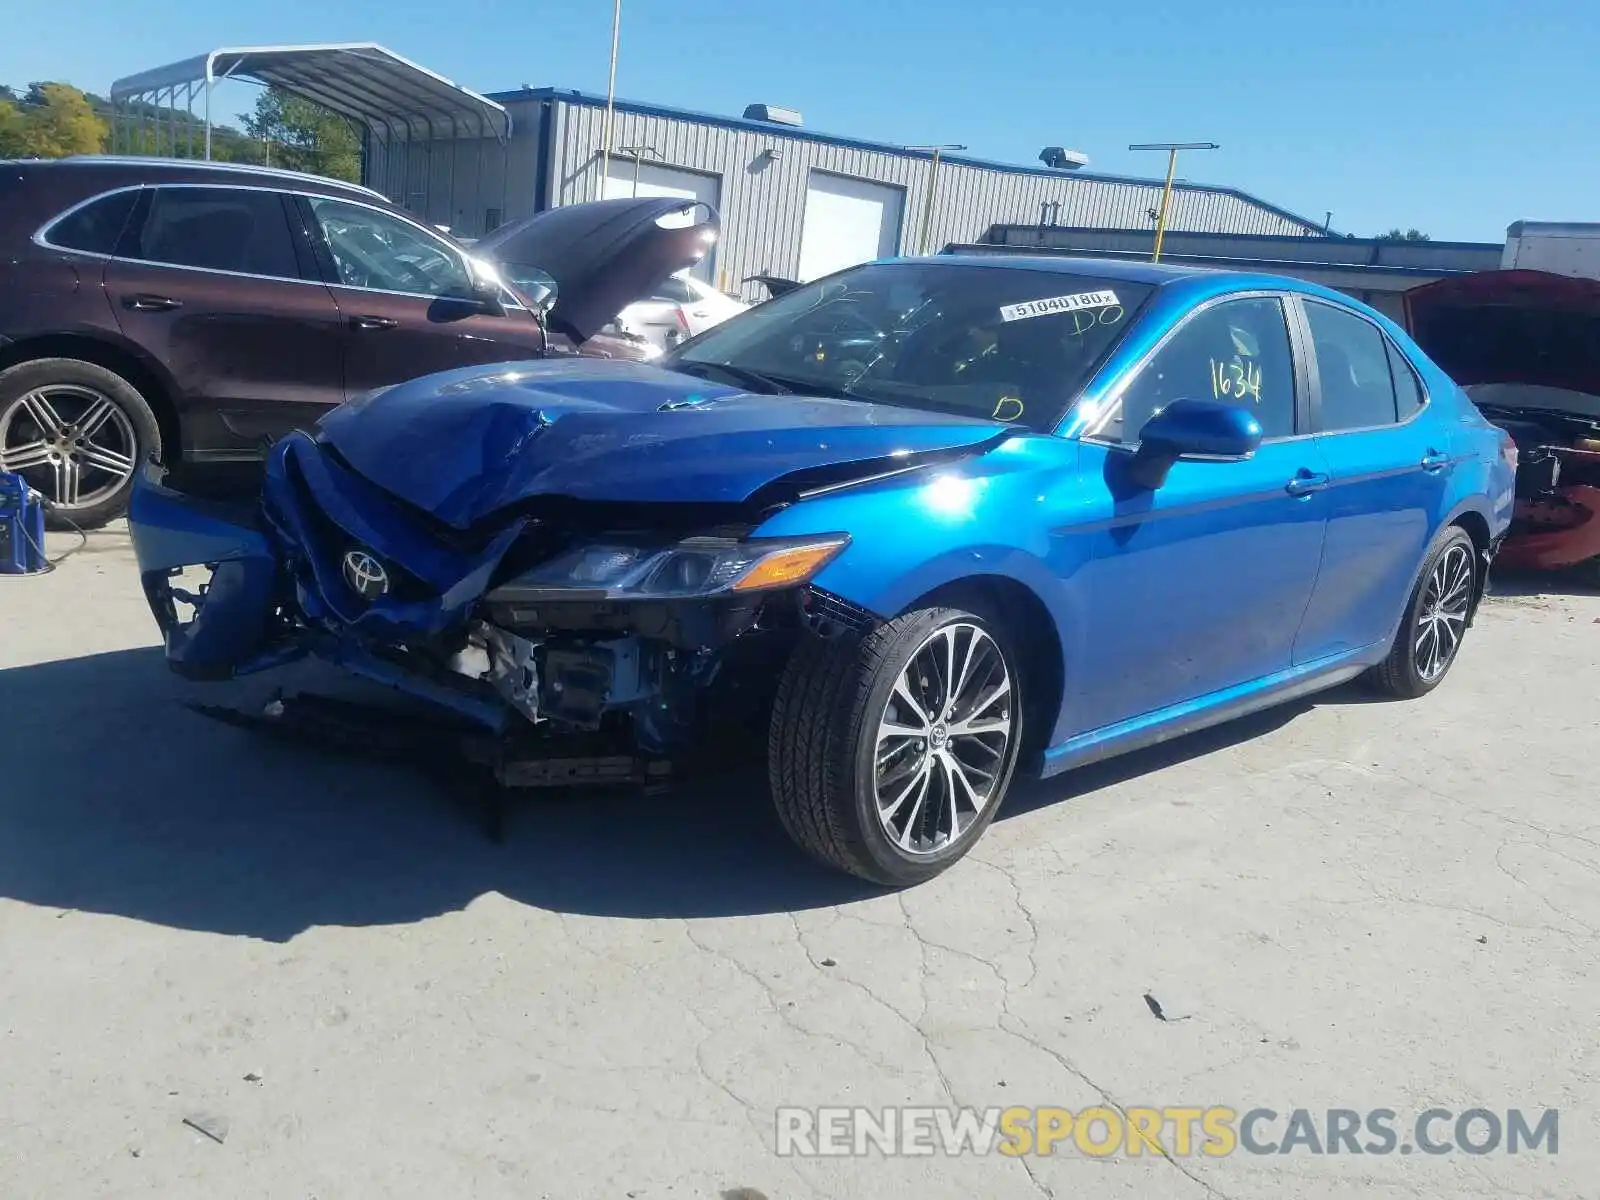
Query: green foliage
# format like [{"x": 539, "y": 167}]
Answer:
[
  {"x": 50, "y": 121},
  {"x": 1408, "y": 235},
  {"x": 304, "y": 136}
]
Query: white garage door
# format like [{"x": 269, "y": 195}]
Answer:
[
  {"x": 848, "y": 221},
  {"x": 664, "y": 181}
]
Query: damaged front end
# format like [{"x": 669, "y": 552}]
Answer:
[
  {"x": 1556, "y": 523},
  {"x": 1522, "y": 346},
  {"x": 579, "y": 641}
]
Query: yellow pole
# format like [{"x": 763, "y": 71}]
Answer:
[
  {"x": 611, "y": 92},
  {"x": 927, "y": 203},
  {"x": 1166, "y": 199}
]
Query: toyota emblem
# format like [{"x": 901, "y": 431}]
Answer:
[{"x": 365, "y": 575}]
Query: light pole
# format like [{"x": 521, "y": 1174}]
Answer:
[
  {"x": 933, "y": 187},
  {"x": 611, "y": 95},
  {"x": 1172, "y": 149},
  {"x": 636, "y": 151}
]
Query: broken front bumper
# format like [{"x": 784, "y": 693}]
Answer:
[
  {"x": 277, "y": 591},
  {"x": 229, "y": 632}
]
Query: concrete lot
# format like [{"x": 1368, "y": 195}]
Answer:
[{"x": 1339, "y": 905}]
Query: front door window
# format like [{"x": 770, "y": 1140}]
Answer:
[{"x": 380, "y": 252}]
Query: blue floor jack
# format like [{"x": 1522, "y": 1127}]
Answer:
[{"x": 21, "y": 528}]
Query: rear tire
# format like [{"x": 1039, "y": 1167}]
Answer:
[
  {"x": 77, "y": 433},
  {"x": 886, "y": 761},
  {"x": 1435, "y": 621}
]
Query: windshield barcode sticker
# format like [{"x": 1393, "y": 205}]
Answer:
[{"x": 1057, "y": 304}]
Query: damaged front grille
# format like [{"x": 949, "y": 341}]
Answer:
[
  {"x": 831, "y": 616},
  {"x": 334, "y": 542}
]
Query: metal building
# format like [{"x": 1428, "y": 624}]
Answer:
[
  {"x": 793, "y": 202},
  {"x": 1373, "y": 270}
]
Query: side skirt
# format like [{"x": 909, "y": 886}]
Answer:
[{"x": 1203, "y": 712}]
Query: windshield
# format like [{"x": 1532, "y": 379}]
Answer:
[{"x": 1003, "y": 343}]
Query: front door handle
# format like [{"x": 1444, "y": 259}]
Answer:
[
  {"x": 144, "y": 303},
  {"x": 1306, "y": 482},
  {"x": 1435, "y": 460},
  {"x": 370, "y": 322}
]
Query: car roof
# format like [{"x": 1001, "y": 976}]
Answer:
[
  {"x": 195, "y": 168},
  {"x": 1099, "y": 268},
  {"x": 1196, "y": 282}
]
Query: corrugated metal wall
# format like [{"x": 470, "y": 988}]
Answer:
[
  {"x": 456, "y": 182},
  {"x": 763, "y": 197},
  {"x": 764, "y": 174}
]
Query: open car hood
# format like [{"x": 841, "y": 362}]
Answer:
[
  {"x": 1511, "y": 327},
  {"x": 466, "y": 444},
  {"x": 603, "y": 255}
]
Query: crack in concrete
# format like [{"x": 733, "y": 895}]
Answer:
[
  {"x": 1018, "y": 1029},
  {"x": 1500, "y": 865}
]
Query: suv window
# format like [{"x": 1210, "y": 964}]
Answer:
[
  {"x": 383, "y": 253},
  {"x": 1353, "y": 365},
  {"x": 218, "y": 229},
  {"x": 1407, "y": 387},
  {"x": 1236, "y": 351},
  {"x": 97, "y": 226}
]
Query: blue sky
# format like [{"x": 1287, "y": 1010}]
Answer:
[{"x": 1454, "y": 116}]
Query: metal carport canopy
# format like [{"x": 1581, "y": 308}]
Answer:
[{"x": 363, "y": 81}]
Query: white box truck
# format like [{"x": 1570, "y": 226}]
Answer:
[{"x": 1562, "y": 248}]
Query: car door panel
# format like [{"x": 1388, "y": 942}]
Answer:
[
  {"x": 1199, "y": 585},
  {"x": 405, "y": 299},
  {"x": 207, "y": 281},
  {"x": 1389, "y": 486}
]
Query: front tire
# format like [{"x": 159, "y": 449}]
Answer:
[
  {"x": 889, "y": 756},
  {"x": 1435, "y": 621},
  {"x": 76, "y": 433}
]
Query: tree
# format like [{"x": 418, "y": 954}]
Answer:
[
  {"x": 303, "y": 136},
  {"x": 1409, "y": 235},
  {"x": 60, "y": 121},
  {"x": 13, "y": 130}
]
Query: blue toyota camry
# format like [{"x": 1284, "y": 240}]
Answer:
[{"x": 920, "y": 526}]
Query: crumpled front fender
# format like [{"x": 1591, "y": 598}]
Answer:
[{"x": 230, "y": 633}]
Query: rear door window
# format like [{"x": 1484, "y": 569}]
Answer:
[
  {"x": 240, "y": 230},
  {"x": 1407, "y": 387},
  {"x": 1353, "y": 365},
  {"x": 674, "y": 291},
  {"x": 97, "y": 226}
]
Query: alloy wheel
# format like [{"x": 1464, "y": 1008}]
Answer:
[
  {"x": 943, "y": 739},
  {"x": 71, "y": 442},
  {"x": 1442, "y": 614}
]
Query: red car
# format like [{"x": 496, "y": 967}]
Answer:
[{"x": 1525, "y": 346}]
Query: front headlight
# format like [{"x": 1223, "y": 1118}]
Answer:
[{"x": 701, "y": 566}]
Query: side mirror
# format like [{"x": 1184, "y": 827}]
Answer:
[{"x": 1199, "y": 430}]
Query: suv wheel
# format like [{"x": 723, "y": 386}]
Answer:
[
  {"x": 76, "y": 433},
  {"x": 888, "y": 757}
]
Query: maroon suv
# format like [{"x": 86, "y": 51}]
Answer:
[{"x": 197, "y": 311}]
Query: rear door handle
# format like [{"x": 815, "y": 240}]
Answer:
[
  {"x": 370, "y": 322},
  {"x": 1435, "y": 460},
  {"x": 1306, "y": 482},
  {"x": 151, "y": 303}
]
